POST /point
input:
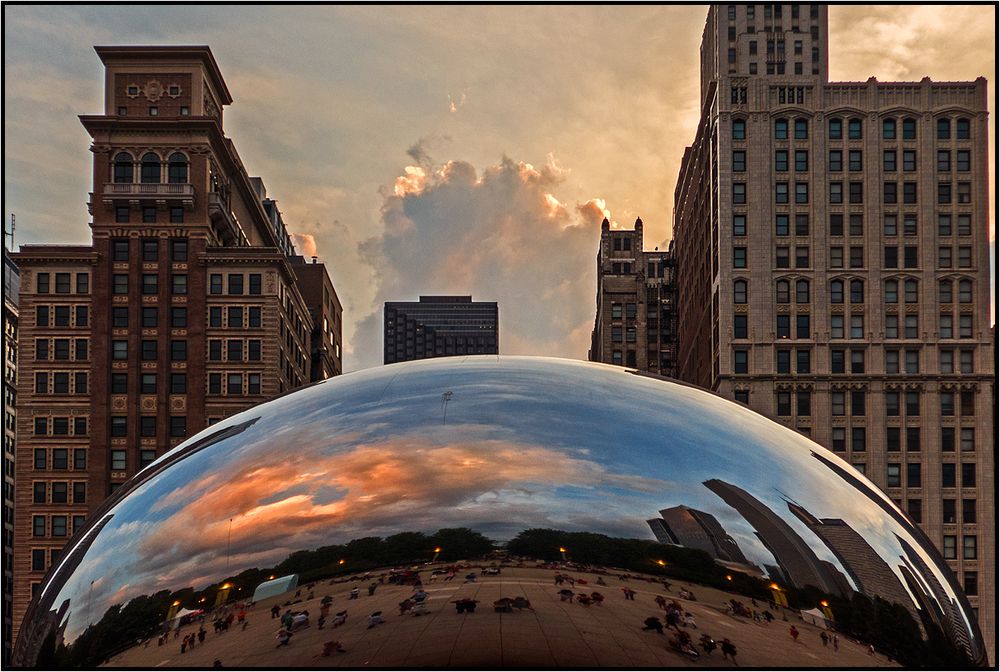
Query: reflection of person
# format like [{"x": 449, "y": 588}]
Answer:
[
  {"x": 728, "y": 650},
  {"x": 354, "y": 593},
  {"x": 653, "y": 623},
  {"x": 794, "y": 632},
  {"x": 371, "y": 588},
  {"x": 836, "y": 642},
  {"x": 825, "y": 637},
  {"x": 283, "y": 638},
  {"x": 629, "y": 593}
]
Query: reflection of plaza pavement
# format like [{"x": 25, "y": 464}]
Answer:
[{"x": 556, "y": 634}]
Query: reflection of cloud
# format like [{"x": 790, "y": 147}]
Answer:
[{"x": 279, "y": 502}]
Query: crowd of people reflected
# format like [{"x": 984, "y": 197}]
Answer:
[{"x": 366, "y": 519}]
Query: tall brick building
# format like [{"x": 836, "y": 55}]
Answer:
[
  {"x": 635, "y": 323},
  {"x": 833, "y": 270},
  {"x": 189, "y": 306}
]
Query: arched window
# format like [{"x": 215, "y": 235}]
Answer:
[
  {"x": 891, "y": 291},
  {"x": 177, "y": 168},
  {"x": 801, "y": 129},
  {"x": 944, "y": 291},
  {"x": 781, "y": 129},
  {"x": 909, "y": 128},
  {"x": 854, "y": 129},
  {"x": 857, "y": 291},
  {"x": 783, "y": 291},
  {"x": 740, "y": 291},
  {"x": 944, "y": 128},
  {"x": 802, "y": 291},
  {"x": 150, "y": 169},
  {"x": 965, "y": 291},
  {"x": 910, "y": 291},
  {"x": 123, "y": 168},
  {"x": 888, "y": 129},
  {"x": 837, "y": 291},
  {"x": 739, "y": 129},
  {"x": 835, "y": 128}
]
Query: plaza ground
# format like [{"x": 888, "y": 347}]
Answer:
[{"x": 555, "y": 634}]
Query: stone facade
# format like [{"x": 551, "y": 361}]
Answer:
[
  {"x": 11, "y": 288},
  {"x": 185, "y": 309},
  {"x": 635, "y": 323},
  {"x": 833, "y": 269}
]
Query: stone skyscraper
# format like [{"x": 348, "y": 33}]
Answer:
[
  {"x": 833, "y": 268},
  {"x": 189, "y": 305},
  {"x": 635, "y": 323}
]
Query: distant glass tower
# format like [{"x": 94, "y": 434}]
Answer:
[{"x": 440, "y": 326}]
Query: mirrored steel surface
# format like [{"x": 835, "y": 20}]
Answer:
[{"x": 494, "y": 448}]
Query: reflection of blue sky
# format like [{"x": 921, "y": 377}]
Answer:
[{"x": 528, "y": 442}]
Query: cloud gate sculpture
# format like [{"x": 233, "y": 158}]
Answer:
[{"x": 597, "y": 517}]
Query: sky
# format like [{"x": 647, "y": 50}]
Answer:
[{"x": 434, "y": 149}]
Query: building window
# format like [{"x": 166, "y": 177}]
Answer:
[
  {"x": 178, "y": 283},
  {"x": 123, "y": 168},
  {"x": 854, "y": 162},
  {"x": 740, "y": 291},
  {"x": 119, "y": 350},
  {"x": 150, "y": 284},
  {"x": 944, "y": 129},
  {"x": 178, "y": 426},
  {"x": 740, "y": 359},
  {"x": 177, "y": 168},
  {"x": 739, "y": 257},
  {"x": 962, "y": 129},
  {"x": 178, "y": 351},
  {"x": 236, "y": 284},
  {"x": 739, "y": 193},
  {"x": 780, "y": 128},
  {"x": 835, "y": 128},
  {"x": 969, "y": 547},
  {"x": 234, "y": 384},
  {"x": 781, "y": 161},
  {"x": 739, "y": 228},
  {"x": 150, "y": 168},
  {"x": 858, "y": 439},
  {"x": 178, "y": 383},
  {"x": 854, "y": 129},
  {"x": 801, "y": 191},
  {"x": 148, "y": 350},
  {"x": 739, "y": 129},
  {"x": 802, "y": 361},
  {"x": 888, "y": 129},
  {"x": 893, "y": 475},
  {"x": 178, "y": 317},
  {"x": 215, "y": 283},
  {"x": 119, "y": 460},
  {"x": 836, "y": 192},
  {"x": 739, "y": 161},
  {"x": 801, "y": 129},
  {"x": 739, "y": 326},
  {"x": 783, "y": 403}
]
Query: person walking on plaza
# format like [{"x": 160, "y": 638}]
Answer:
[
  {"x": 629, "y": 594},
  {"x": 825, "y": 637},
  {"x": 794, "y": 632},
  {"x": 354, "y": 593},
  {"x": 836, "y": 642}
]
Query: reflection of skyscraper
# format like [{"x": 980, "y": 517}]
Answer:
[
  {"x": 796, "y": 559},
  {"x": 870, "y": 573},
  {"x": 696, "y": 529},
  {"x": 918, "y": 568},
  {"x": 941, "y": 606},
  {"x": 660, "y": 531}
]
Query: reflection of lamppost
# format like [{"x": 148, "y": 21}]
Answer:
[
  {"x": 229, "y": 541},
  {"x": 661, "y": 563},
  {"x": 563, "y": 552},
  {"x": 729, "y": 577},
  {"x": 437, "y": 552},
  {"x": 90, "y": 604},
  {"x": 445, "y": 398}
]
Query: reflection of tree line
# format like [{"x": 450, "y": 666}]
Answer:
[{"x": 887, "y": 625}]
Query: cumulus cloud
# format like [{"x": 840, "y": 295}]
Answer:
[
  {"x": 305, "y": 244},
  {"x": 501, "y": 234}
]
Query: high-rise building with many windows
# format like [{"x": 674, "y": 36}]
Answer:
[
  {"x": 832, "y": 255},
  {"x": 189, "y": 305},
  {"x": 11, "y": 288}
]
